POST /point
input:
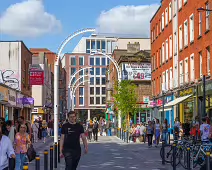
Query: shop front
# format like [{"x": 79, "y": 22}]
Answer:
[
  {"x": 208, "y": 98},
  {"x": 19, "y": 106},
  {"x": 38, "y": 112},
  {"x": 28, "y": 104},
  {"x": 187, "y": 107},
  {"x": 3, "y": 102},
  {"x": 11, "y": 103}
]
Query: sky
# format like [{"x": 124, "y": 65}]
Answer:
[{"x": 46, "y": 23}]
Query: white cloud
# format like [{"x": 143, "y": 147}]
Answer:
[
  {"x": 130, "y": 20},
  {"x": 28, "y": 19}
]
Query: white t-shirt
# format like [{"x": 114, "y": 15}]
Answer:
[
  {"x": 142, "y": 129},
  {"x": 205, "y": 130}
]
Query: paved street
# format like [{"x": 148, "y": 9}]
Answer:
[{"x": 112, "y": 153}]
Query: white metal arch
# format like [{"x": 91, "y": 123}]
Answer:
[
  {"x": 78, "y": 86},
  {"x": 69, "y": 38},
  {"x": 77, "y": 81}
]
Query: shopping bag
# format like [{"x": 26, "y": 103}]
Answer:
[{"x": 31, "y": 153}]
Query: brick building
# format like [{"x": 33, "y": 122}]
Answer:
[{"x": 180, "y": 48}]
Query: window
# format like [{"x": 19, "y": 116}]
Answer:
[
  {"x": 167, "y": 49},
  {"x": 81, "y": 101},
  {"x": 164, "y": 81},
  {"x": 97, "y": 90},
  {"x": 170, "y": 11},
  {"x": 167, "y": 80},
  {"x": 88, "y": 46},
  {"x": 103, "y": 61},
  {"x": 185, "y": 1},
  {"x": 200, "y": 23},
  {"x": 163, "y": 51},
  {"x": 200, "y": 64},
  {"x": 103, "y": 46},
  {"x": 162, "y": 21},
  {"x": 175, "y": 7},
  {"x": 97, "y": 61},
  {"x": 180, "y": 4},
  {"x": 93, "y": 45},
  {"x": 91, "y": 61},
  {"x": 81, "y": 72},
  {"x": 81, "y": 91},
  {"x": 160, "y": 56},
  {"x": 181, "y": 72},
  {"x": 156, "y": 59},
  {"x": 170, "y": 77},
  {"x": 92, "y": 71},
  {"x": 160, "y": 83},
  {"x": 92, "y": 90},
  {"x": 192, "y": 75},
  {"x": 73, "y": 70},
  {"x": 166, "y": 16},
  {"x": 186, "y": 33},
  {"x": 103, "y": 71},
  {"x": 108, "y": 61},
  {"x": 97, "y": 100},
  {"x": 98, "y": 71},
  {"x": 98, "y": 45},
  {"x": 73, "y": 61},
  {"x": 103, "y": 80},
  {"x": 207, "y": 16},
  {"x": 92, "y": 81},
  {"x": 103, "y": 100},
  {"x": 75, "y": 101},
  {"x": 81, "y": 61},
  {"x": 157, "y": 31},
  {"x": 180, "y": 38},
  {"x": 191, "y": 28},
  {"x": 170, "y": 46},
  {"x": 97, "y": 80},
  {"x": 152, "y": 37},
  {"x": 91, "y": 100},
  {"x": 154, "y": 62},
  {"x": 103, "y": 90},
  {"x": 160, "y": 25},
  {"x": 208, "y": 60},
  {"x": 186, "y": 69},
  {"x": 175, "y": 43}
]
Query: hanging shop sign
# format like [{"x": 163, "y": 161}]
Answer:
[
  {"x": 146, "y": 99},
  {"x": 3, "y": 94},
  {"x": 187, "y": 92},
  {"x": 208, "y": 88},
  {"x": 36, "y": 74},
  {"x": 12, "y": 97}
]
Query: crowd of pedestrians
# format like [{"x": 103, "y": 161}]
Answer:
[{"x": 154, "y": 131}]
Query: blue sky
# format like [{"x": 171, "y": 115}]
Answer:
[{"x": 47, "y": 23}]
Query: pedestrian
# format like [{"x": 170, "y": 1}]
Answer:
[
  {"x": 50, "y": 128},
  {"x": 11, "y": 130},
  {"x": 70, "y": 142},
  {"x": 35, "y": 128},
  {"x": 143, "y": 132},
  {"x": 6, "y": 151},
  {"x": 40, "y": 128},
  {"x": 165, "y": 127},
  {"x": 157, "y": 130},
  {"x": 44, "y": 130},
  {"x": 22, "y": 140},
  {"x": 205, "y": 131},
  {"x": 95, "y": 130},
  {"x": 150, "y": 131},
  {"x": 90, "y": 130}
]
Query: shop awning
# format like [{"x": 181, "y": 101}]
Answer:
[
  {"x": 177, "y": 101},
  {"x": 165, "y": 109}
]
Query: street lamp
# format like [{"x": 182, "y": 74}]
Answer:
[
  {"x": 118, "y": 73},
  {"x": 56, "y": 76},
  {"x": 69, "y": 85},
  {"x": 74, "y": 91}
]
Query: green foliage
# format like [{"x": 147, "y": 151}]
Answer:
[{"x": 125, "y": 97}]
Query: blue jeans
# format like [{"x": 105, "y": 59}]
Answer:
[
  {"x": 109, "y": 132},
  {"x": 165, "y": 137},
  {"x": 20, "y": 159}
]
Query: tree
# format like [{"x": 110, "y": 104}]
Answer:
[{"x": 125, "y": 98}]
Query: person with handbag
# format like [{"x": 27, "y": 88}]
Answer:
[
  {"x": 22, "y": 141},
  {"x": 6, "y": 151}
]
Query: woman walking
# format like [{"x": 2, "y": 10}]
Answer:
[
  {"x": 35, "y": 128},
  {"x": 157, "y": 129},
  {"x": 165, "y": 131},
  {"x": 21, "y": 141},
  {"x": 44, "y": 130},
  {"x": 90, "y": 130},
  {"x": 150, "y": 131}
]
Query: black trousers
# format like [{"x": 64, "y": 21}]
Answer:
[
  {"x": 72, "y": 159},
  {"x": 6, "y": 168},
  {"x": 149, "y": 136},
  {"x": 95, "y": 134},
  {"x": 89, "y": 135}
]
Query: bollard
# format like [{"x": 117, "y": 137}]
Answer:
[
  {"x": 120, "y": 133},
  {"x": 169, "y": 137},
  {"x": 188, "y": 158},
  {"x": 37, "y": 163},
  {"x": 58, "y": 150},
  {"x": 124, "y": 136},
  {"x": 45, "y": 160},
  {"x": 174, "y": 156},
  {"x": 208, "y": 160},
  {"x": 163, "y": 152},
  {"x": 127, "y": 136},
  {"x": 51, "y": 157},
  {"x": 55, "y": 155},
  {"x": 25, "y": 167}
]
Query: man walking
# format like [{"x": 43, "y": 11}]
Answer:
[{"x": 70, "y": 142}]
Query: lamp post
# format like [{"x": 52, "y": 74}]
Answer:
[
  {"x": 118, "y": 73},
  {"x": 56, "y": 76},
  {"x": 74, "y": 90}
]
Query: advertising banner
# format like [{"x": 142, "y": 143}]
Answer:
[
  {"x": 136, "y": 71},
  {"x": 36, "y": 74}
]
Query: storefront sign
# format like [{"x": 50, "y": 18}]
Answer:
[
  {"x": 27, "y": 100},
  {"x": 36, "y": 74},
  {"x": 3, "y": 94},
  {"x": 19, "y": 101},
  {"x": 146, "y": 99},
  {"x": 135, "y": 71},
  {"x": 168, "y": 99},
  {"x": 12, "y": 97},
  {"x": 186, "y": 92},
  {"x": 208, "y": 88}
]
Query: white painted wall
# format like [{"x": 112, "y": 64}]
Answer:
[
  {"x": 10, "y": 64},
  {"x": 144, "y": 43}
]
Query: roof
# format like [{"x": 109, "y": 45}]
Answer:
[{"x": 156, "y": 12}]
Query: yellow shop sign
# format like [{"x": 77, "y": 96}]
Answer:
[
  {"x": 186, "y": 92},
  {"x": 4, "y": 94}
]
